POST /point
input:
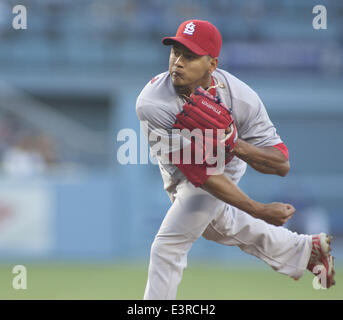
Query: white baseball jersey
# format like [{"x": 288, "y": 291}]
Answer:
[{"x": 158, "y": 104}]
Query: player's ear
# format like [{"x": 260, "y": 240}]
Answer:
[{"x": 213, "y": 64}]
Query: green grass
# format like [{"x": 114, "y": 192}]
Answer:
[{"x": 126, "y": 282}]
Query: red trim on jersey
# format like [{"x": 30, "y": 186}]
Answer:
[
  {"x": 282, "y": 147},
  {"x": 195, "y": 173},
  {"x": 153, "y": 80},
  {"x": 213, "y": 90}
]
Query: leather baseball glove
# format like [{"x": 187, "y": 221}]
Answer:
[{"x": 217, "y": 127}]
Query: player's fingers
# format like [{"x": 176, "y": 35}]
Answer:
[
  {"x": 289, "y": 206},
  {"x": 287, "y": 215},
  {"x": 282, "y": 220},
  {"x": 229, "y": 129},
  {"x": 285, "y": 220},
  {"x": 290, "y": 210}
]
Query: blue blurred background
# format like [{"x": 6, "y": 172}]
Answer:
[{"x": 68, "y": 85}]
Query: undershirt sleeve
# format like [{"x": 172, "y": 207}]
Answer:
[
  {"x": 283, "y": 148},
  {"x": 195, "y": 173}
]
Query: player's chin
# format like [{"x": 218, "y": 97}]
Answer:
[{"x": 178, "y": 82}]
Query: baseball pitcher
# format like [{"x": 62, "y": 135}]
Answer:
[{"x": 204, "y": 126}]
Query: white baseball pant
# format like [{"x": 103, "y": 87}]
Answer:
[{"x": 195, "y": 212}]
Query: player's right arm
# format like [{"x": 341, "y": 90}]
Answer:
[
  {"x": 224, "y": 189},
  {"x": 221, "y": 187}
]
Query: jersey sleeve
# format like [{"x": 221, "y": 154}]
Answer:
[
  {"x": 256, "y": 126},
  {"x": 194, "y": 172}
]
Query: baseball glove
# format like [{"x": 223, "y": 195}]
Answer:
[{"x": 217, "y": 127}]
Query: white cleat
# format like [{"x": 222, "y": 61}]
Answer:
[{"x": 321, "y": 259}]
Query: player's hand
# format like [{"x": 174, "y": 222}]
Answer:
[{"x": 277, "y": 213}]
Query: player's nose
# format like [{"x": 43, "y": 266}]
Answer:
[{"x": 179, "y": 61}]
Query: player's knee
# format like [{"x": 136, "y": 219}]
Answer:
[
  {"x": 170, "y": 246},
  {"x": 155, "y": 247},
  {"x": 159, "y": 248}
]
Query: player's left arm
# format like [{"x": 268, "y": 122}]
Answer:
[{"x": 269, "y": 160}]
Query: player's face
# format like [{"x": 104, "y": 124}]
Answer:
[{"x": 188, "y": 69}]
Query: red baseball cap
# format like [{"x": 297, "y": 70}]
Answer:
[{"x": 199, "y": 36}]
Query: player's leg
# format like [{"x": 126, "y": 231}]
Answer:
[
  {"x": 186, "y": 220},
  {"x": 285, "y": 251}
]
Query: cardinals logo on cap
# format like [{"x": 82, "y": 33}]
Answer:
[{"x": 189, "y": 29}]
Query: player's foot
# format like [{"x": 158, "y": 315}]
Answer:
[{"x": 321, "y": 259}]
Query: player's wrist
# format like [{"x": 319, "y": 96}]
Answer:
[
  {"x": 238, "y": 147},
  {"x": 258, "y": 209}
]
